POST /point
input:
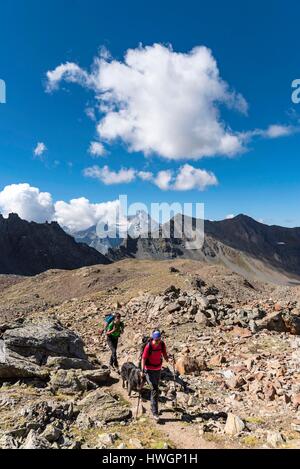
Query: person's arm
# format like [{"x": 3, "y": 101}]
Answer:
[
  {"x": 102, "y": 328},
  {"x": 110, "y": 331}
]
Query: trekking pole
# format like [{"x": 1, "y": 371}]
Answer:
[
  {"x": 138, "y": 404},
  {"x": 174, "y": 379}
]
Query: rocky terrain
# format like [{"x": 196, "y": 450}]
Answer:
[
  {"x": 235, "y": 345},
  {"x": 28, "y": 248}
]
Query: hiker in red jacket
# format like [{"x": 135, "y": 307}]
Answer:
[{"x": 152, "y": 360}]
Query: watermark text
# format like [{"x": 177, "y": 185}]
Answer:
[{"x": 2, "y": 92}]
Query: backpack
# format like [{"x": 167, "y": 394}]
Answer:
[
  {"x": 148, "y": 340},
  {"x": 108, "y": 319}
]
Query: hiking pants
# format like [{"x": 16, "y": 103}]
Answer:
[
  {"x": 113, "y": 344},
  {"x": 153, "y": 378}
]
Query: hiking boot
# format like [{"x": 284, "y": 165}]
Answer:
[{"x": 156, "y": 417}]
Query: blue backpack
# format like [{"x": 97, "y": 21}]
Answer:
[{"x": 108, "y": 319}]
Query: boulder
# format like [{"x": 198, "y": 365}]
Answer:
[
  {"x": 98, "y": 376},
  {"x": 35, "y": 441},
  {"x": 282, "y": 321},
  {"x": 200, "y": 318},
  {"x": 186, "y": 364},
  {"x": 51, "y": 433},
  {"x": 108, "y": 439},
  {"x": 70, "y": 381},
  {"x": 42, "y": 339},
  {"x": 234, "y": 425},
  {"x": 8, "y": 442},
  {"x": 100, "y": 407},
  {"x": 67, "y": 363},
  {"x": 26, "y": 347},
  {"x": 135, "y": 443},
  {"x": 274, "y": 439},
  {"x": 292, "y": 323}
]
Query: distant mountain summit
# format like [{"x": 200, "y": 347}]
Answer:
[
  {"x": 28, "y": 248},
  {"x": 135, "y": 226}
]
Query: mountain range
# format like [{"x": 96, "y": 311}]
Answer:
[
  {"x": 28, "y": 248},
  {"x": 271, "y": 253},
  {"x": 246, "y": 246}
]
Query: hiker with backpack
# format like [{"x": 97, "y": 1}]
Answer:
[
  {"x": 113, "y": 328},
  {"x": 152, "y": 359}
]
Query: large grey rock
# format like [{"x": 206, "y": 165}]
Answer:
[
  {"x": 234, "y": 425},
  {"x": 42, "y": 339},
  {"x": 8, "y": 442},
  {"x": 13, "y": 365},
  {"x": 26, "y": 347},
  {"x": 99, "y": 407},
  {"x": 67, "y": 363},
  {"x": 35, "y": 441},
  {"x": 70, "y": 381},
  {"x": 98, "y": 376},
  {"x": 51, "y": 433}
]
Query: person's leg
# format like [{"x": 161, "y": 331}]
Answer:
[
  {"x": 153, "y": 377},
  {"x": 115, "y": 346},
  {"x": 112, "y": 349}
]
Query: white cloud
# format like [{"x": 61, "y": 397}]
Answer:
[
  {"x": 229, "y": 217},
  {"x": 39, "y": 150},
  {"x": 90, "y": 112},
  {"x": 28, "y": 202},
  {"x": 96, "y": 149},
  {"x": 107, "y": 176},
  {"x": 79, "y": 214},
  {"x": 275, "y": 131},
  {"x": 145, "y": 175},
  {"x": 187, "y": 178},
  {"x": 69, "y": 72},
  {"x": 33, "y": 205},
  {"x": 163, "y": 179},
  {"x": 160, "y": 101}
]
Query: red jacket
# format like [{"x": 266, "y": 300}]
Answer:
[{"x": 153, "y": 355}]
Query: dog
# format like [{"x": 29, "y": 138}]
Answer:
[{"x": 132, "y": 378}]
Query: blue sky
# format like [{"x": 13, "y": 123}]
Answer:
[{"x": 255, "y": 49}]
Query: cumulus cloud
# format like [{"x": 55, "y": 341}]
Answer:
[
  {"x": 39, "y": 150},
  {"x": 187, "y": 178},
  {"x": 69, "y": 72},
  {"x": 145, "y": 175},
  {"x": 275, "y": 131},
  {"x": 229, "y": 216},
  {"x": 79, "y": 214},
  {"x": 107, "y": 176},
  {"x": 271, "y": 132},
  {"x": 27, "y": 201},
  {"x": 163, "y": 179},
  {"x": 160, "y": 101},
  {"x": 96, "y": 149},
  {"x": 33, "y": 205}
]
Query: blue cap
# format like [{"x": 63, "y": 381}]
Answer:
[{"x": 156, "y": 335}]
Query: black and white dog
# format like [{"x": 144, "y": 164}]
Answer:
[{"x": 131, "y": 377}]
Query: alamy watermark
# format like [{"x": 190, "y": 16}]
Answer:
[
  {"x": 176, "y": 221},
  {"x": 2, "y": 92},
  {"x": 296, "y": 92}
]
